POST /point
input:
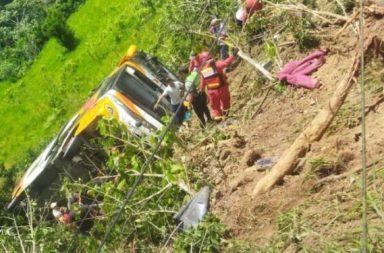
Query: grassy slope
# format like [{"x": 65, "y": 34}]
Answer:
[{"x": 33, "y": 109}]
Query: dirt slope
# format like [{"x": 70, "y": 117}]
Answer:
[{"x": 320, "y": 216}]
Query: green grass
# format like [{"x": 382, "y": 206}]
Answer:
[{"x": 33, "y": 109}]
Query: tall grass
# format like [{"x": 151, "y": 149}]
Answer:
[{"x": 33, "y": 109}]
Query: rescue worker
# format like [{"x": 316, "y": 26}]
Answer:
[
  {"x": 241, "y": 16},
  {"x": 246, "y": 10},
  {"x": 196, "y": 97},
  {"x": 213, "y": 78},
  {"x": 175, "y": 91},
  {"x": 193, "y": 62},
  {"x": 217, "y": 28}
]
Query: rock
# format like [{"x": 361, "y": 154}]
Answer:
[
  {"x": 207, "y": 148},
  {"x": 266, "y": 163},
  {"x": 346, "y": 156},
  {"x": 250, "y": 157},
  {"x": 218, "y": 180},
  {"x": 245, "y": 177},
  {"x": 224, "y": 154},
  {"x": 238, "y": 142},
  {"x": 218, "y": 195}
]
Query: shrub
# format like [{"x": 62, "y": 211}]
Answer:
[{"x": 208, "y": 236}]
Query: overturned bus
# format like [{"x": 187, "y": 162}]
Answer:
[{"x": 128, "y": 95}]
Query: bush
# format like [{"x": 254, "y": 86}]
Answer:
[
  {"x": 300, "y": 26},
  {"x": 37, "y": 21},
  {"x": 208, "y": 236},
  {"x": 181, "y": 25},
  {"x": 55, "y": 25}
]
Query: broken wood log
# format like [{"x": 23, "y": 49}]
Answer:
[
  {"x": 256, "y": 65},
  {"x": 375, "y": 9},
  {"x": 349, "y": 21}
]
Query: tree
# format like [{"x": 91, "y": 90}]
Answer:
[{"x": 26, "y": 25}]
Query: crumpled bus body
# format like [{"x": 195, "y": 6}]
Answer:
[{"x": 127, "y": 95}]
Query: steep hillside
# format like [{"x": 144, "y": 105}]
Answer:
[{"x": 317, "y": 208}]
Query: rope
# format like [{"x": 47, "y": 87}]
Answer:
[
  {"x": 151, "y": 158},
  {"x": 364, "y": 235}
]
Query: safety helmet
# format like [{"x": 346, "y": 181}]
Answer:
[{"x": 204, "y": 57}]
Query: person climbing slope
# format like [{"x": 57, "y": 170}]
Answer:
[
  {"x": 241, "y": 16},
  {"x": 218, "y": 29},
  {"x": 246, "y": 9},
  {"x": 213, "y": 78},
  {"x": 196, "y": 97}
]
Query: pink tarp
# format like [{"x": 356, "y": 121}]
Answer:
[{"x": 298, "y": 72}]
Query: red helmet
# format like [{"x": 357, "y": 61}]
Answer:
[{"x": 204, "y": 57}]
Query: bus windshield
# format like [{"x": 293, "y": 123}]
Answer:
[{"x": 142, "y": 92}]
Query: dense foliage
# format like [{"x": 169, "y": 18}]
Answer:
[
  {"x": 25, "y": 26},
  {"x": 59, "y": 81},
  {"x": 184, "y": 28},
  {"x": 146, "y": 223}
]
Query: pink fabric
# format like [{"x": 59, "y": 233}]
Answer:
[
  {"x": 298, "y": 72},
  {"x": 219, "y": 100}
]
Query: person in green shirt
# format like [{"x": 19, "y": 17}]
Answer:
[{"x": 196, "y": 97}]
